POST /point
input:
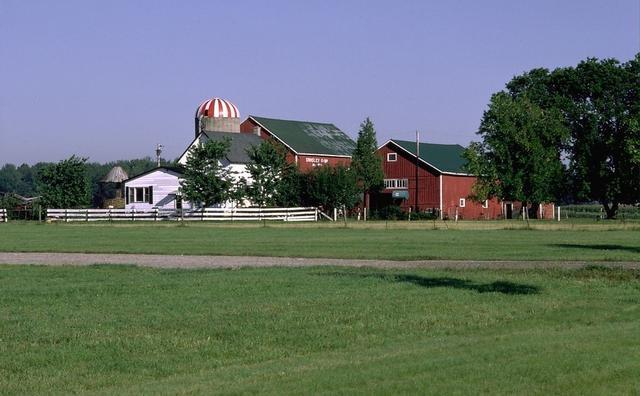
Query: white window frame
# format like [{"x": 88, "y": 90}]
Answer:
[
  {"x": 462, "y": 202},
  {"x": 133, "y": 194},
  {"x": 396, "y": 184},
  {"x": 395, "y": 157},
  {"x": 485, "y": 204}
]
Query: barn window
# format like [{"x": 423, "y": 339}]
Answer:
[
  {"x": 485, "y": 203},
  {"x": 392, "y": 157},
  {"x": 462, "y": 202},
  {"x": 396, "y": 183}
]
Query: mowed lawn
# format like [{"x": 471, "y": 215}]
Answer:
[
  {"x": 367, "y": 241},
  {"x": 128, "y": 330}
]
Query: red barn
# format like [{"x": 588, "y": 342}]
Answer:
[
  {"x": 434, "y": 181},
  {"x": 309, "y": 144}
]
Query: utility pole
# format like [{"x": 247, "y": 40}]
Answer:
[{"x": 159, "y": 148}]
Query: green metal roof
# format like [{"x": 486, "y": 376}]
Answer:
[
  {"x": 444, "y": 157},
  {"x": 309, "y": 137}
]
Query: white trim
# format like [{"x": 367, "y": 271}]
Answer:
[
  {"x": 133, "y": 193},
  {"x": 150, "y": 171},
  {"x": 462, "y": 203},
  {"x": 395, "y": 157},
  {"x": 441, "y": 216},
  {"x": 184, "y": 153},
  {"x": 459, "y": 174}
]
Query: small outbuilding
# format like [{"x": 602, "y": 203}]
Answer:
[
  {"x": 112, "y": 189},
  {"x": 158, "y": 188}
]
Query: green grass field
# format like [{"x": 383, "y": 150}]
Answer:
[
  {"x": 372, "y": 240},
  {"x": 127, "y": 330}
]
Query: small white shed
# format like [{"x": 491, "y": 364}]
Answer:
[{"x": 157, "y": 188}]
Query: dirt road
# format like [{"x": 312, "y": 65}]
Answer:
[{"x": 168, "y": 261}]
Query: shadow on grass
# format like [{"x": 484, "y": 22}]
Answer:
[
  {"x": 632, "y": 249},
  {"x": 503, "y": 287},
  {"x": 608, "y": 273}
]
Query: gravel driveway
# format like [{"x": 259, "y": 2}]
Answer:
[{"x": 168, "y": 261}]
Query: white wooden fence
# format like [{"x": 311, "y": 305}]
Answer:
[
  {"x": 3, "y": 215},
  {"x": 207, "y": 214}
]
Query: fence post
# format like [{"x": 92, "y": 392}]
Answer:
[
  {"x": 317, "y": 214},
  {"x": 133, "y": 214},
  {"x": 558, "y": 213},
  {"x": 335, "y": 214},
  {"x": 155, "y": 214},
  {"x": 86, "y": 215}
]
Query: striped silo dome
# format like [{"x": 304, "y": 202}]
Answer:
[{"x": 217, "y": 108}]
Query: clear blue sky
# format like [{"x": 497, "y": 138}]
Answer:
[{"x": 110, "y": 79}]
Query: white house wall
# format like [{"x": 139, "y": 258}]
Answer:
[{"x": 165, "y": 186}]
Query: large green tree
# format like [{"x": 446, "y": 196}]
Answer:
[
  {"x": 599, "y": 101},
  {"x": 205, "y": 181},
  {"x": 603, "y": 113},
  {"x": 331, "y": 187},
  {"x": 519, "y": 157},
  {"x": 274, "y": 182},
  {"x": 365, "y": 162},
  {"x": 64, "y": 185}
]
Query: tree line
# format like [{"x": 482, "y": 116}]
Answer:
[
  {"x": 571, "y": 134},
  {"x": 71, "y": 183}
]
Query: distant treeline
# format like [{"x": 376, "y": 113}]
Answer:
[{"x": 23, "y": 179}]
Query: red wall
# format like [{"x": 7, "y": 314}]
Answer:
[
  {"x": 308, "y": 162},
  {"x": 456, "y": 187},
  {"x": 405, "y": 168},
  {"x": 305, "y": 162}
]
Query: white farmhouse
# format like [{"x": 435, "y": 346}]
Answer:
[{"x": 216, "y": 119}]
